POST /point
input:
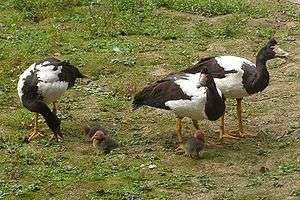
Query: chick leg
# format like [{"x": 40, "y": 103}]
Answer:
[
  {"x": 241, "y": 130},
  {"x": 35, "y": 131}
]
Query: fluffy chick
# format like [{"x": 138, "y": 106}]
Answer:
[
  {"x": 103, "y": 142},
  {"x": 195, "y": 144},
  {"x": 91, "y": 130}
]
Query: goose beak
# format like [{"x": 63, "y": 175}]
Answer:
[
  {"x": 279, "y": 53},
  {"x": 202, "y": 81},
  {"x": 83, "y": 76}
]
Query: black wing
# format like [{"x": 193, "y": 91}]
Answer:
[
  {"x": 212, "y": 66},
  {"x": 157, "y": 94}
]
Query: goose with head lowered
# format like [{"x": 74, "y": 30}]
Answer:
[
  {"x": 44, "y": 82},
  {"x": 240, "y": 78},
  {"x": 187, "y": 95}
]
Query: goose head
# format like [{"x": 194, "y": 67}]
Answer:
[
  {"x": 272, "y": 50},
  {"x": 205, "y": 78}
]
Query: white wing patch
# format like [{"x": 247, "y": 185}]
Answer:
[
  {"x": 232, "y": 62},
  {"x": 49, "y": 85},
  {"x": 47, "y": 74},
  {"x": 193, "y": 108}
]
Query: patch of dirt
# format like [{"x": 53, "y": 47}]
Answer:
[
  {"x": 295, "y": 1},
  {"x": 150, "y": 57},
  {"x": 292, "y": 69},
  {"x": 160, "y": 71}
]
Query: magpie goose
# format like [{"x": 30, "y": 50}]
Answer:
[
  {"x": 44, "y": 82},
  {"x": 240, "y": 77},
  {"x": 192, "y": 95}
]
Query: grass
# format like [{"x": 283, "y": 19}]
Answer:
[{"x": 123, "y": 46}]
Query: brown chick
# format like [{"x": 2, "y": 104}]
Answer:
[
  {"x": 103, "y": 142},
  {"x": 195, "y": 144},
  {"x": 91, "y": 130}
]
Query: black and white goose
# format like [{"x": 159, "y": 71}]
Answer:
[
  {"x": 187, "y": 95},
  {"x": 44, "y": 82},
  {"x": 245, "y": 78}
]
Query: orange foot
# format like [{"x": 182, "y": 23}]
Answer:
[
  {"x": 56, "y": 137},
  {"x": 212, "y": 144},
  {"x": 35, "y": 133},
  {"x": 180, "y": 146},
  {"x": 244, "y": 133},
  {"x": 225, "y": 135}
]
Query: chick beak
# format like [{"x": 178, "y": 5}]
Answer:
[{"x": 279, "y": 53}]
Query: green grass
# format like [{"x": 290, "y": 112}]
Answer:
[
  {"x": 122, "y": 46},
  {"x": 228, "y": 28}
]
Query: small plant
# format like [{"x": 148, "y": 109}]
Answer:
[
  {"x": 231, "y": 27},
  {"x": 265, "y": 32},
  {"x": 210, "y": 7}
]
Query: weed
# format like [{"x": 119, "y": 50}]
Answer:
[{"x": 231, "y": 27}]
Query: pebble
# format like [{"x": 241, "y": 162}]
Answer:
[{"x": 152, "y": 166}]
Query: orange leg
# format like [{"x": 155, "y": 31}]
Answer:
[
  {"x": 241, "y": 130},
  {"x": 222, "y": 132},
  {"x": 54, "y": 107},
  {"x": 179, "y": 133},
  {"x": 196, "y": 125},
  {"x": 35, "y": 131}
]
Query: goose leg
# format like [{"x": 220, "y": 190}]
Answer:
[
  {"x": 35, "y": 131},
  {"x": 196, "y": 125},
  {"x": 54, "y": 107},
  {"x": 56, "y": 137},
  {"x": 222, "y": 132},
  {"x": 241, "y": 130},
  {"x": 179, "y": 133}
]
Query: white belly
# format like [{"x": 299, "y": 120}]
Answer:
[
  {"x": 51, "y": 92},
  {"x": 193, "y": 108}
]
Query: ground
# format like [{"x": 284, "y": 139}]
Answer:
[{"x": 122, "y": 46}]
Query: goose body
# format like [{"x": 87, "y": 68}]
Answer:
[
  {"x": 239, "y": 82},
  {"x": 45, "y": 82},
  {"x": 194, "y": 106},
  {"x": 233, "y": 83},
  {"x": 182, "y": 94},
  {"x": 187, "y": 95}
]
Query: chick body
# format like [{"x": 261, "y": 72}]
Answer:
[{"x": 195, "y": 144}]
